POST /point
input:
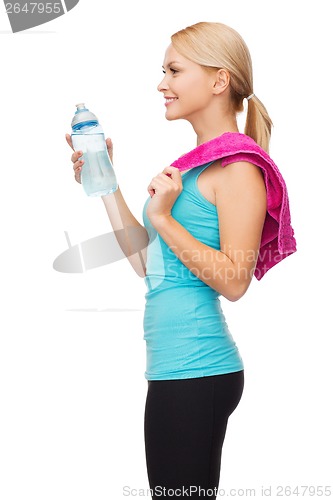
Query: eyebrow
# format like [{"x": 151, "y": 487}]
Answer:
[{"x": 171, "y": 63}]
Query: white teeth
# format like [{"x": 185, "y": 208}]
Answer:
[{"x": 170, "y": 99}]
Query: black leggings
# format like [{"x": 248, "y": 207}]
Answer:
[{"x": 184, "y": 426}]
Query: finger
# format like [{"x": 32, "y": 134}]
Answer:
[
  {"x": 156, "y": 185},
  {"x": 174, "y": 174},
  {"x": 152, "y": 188},
  {"x": 69, "y": 141},
  {"x": 78, "y": 165},
  {"x": 166, "y": 179},
  {"x": 76, "y": 155},
  {"x": 109, "y": 146},
  {"x": 173, "y": 171},
  {"x": 77, "y": 173},
  {"x": 160, "y": 186},
  {"x": 78, "y": 177}
]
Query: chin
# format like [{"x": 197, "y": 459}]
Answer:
[{"x": 171, "y": 117}]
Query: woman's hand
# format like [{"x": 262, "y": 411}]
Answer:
[
  {"x": 164, "y": 189},
  {"x": 78, "y": 161}
]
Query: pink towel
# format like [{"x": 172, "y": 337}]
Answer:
[{"x": 277, "y": 241}]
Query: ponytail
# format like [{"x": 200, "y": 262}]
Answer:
[{"x": 258, "y": 124}]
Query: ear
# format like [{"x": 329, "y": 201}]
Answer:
[{"x": 222, "y": 80}]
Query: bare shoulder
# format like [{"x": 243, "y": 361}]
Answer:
[
  {"x": 241, "y": 176},
  {"x": 241, "y": 203},
  {"x": 216, "y": 181}
]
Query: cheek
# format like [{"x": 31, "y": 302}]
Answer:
[
  {"x": 198, "y": 94},
  {"x": 199, "y": 87}
]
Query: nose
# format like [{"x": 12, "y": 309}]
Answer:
[{"x": 162, "y": 85}]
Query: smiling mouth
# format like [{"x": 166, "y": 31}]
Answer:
[{"x": 169, "y": 100}]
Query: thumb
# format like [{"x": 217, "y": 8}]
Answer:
[
  {"x": 174, "y": 173},
  {"x": 69, "y": 141}
]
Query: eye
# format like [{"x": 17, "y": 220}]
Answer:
[{"x": 173, "y": 71}]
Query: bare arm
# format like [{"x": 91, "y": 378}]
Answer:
[
  {"x": 131, "y": 235},
  {"x": 240, "y": 195}
]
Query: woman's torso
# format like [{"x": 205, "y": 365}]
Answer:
[{"x": 184, "y": 327}]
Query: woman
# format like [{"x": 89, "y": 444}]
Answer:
[{"x": 200, "y": 226}]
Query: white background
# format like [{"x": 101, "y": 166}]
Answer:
[{"x": 72, "y": 354}]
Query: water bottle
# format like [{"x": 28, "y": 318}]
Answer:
[{"x": 97, "y": 175}]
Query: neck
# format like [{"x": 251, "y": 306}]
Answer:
[
  {"x": 213, "y": 122},
  {"x": 209, "y": 136},
  {"x": 207, "y": 132}
]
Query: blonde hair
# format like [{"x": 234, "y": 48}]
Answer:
[{"x": 215, "y": 45}]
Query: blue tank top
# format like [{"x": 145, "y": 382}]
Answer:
[{"x": 185, "y": 329}]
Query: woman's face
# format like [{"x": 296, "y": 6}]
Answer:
[{"x": 186, "y": 86}]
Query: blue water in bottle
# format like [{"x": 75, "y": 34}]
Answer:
[{"x": 97, "y": 175}]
